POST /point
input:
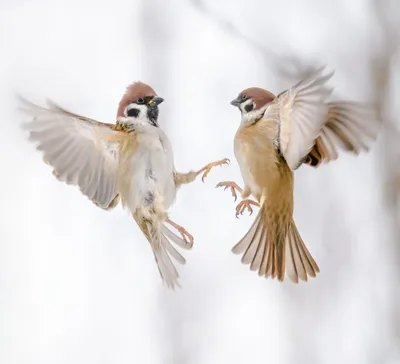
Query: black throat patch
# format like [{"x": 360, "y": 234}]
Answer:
[{"x": 152, "y": 114}]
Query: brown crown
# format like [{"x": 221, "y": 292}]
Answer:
[
  {"x": 132, "y": 93},
  {"x": 260, "y": 96}
]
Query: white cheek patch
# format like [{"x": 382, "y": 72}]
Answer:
[
  {"x": 141, "y": 118},
  {"x": 249, "y": 117},
  {"x": 243, "y": 105}
]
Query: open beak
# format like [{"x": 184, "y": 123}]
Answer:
[
  {"x": 236, "y": 102},
  {"x": 156, "y": 100}
]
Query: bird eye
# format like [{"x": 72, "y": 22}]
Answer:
[
  {"x": 244, "y": 97},
  {"x": 140, "y": 100}
]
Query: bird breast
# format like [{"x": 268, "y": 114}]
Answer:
[
  {"x": 146, "y": 171},
  {"x": 257, "y": 157}
]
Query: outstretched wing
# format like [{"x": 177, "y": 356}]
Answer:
[
  {"x": 350, "y": 126},
  {"x": 301, "y": 113},
  {"x": 82, "y": 151}
]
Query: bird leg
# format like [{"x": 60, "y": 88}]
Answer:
[
  {"x": 189, "y": 177},
  {"x": 206, "y": 169},
  {"x": 245, "y": 204},
  {"x": 188, "y": 238}
]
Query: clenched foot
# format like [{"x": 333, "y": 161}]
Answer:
[
  {"x": 187, "y": 238},
  {"x": 233, "y": 187},
  {"x": 245, "y": 204}
]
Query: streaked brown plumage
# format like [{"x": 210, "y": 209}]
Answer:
[{"x": 276, "y": 136}]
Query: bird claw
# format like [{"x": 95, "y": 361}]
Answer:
[
  {"x": 233, "y": 187},
  {"x": 245, "y": 204},
  {"x": 187, "y": 238},
  {"x": 185, "y": 235},
  {"x": 209, "y": 166}
]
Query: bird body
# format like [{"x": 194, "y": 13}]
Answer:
[
  {"x": 147, "y": 189},
  {"x": 146, "y": 168},
  {"x": 129, "y": 162},
  {"x": 276, "y": 136},
  {"x": 270, "y": 180},
  {"x": 258, "y": 140}
]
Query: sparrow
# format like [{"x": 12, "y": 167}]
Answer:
[
  {"x": 130, "y": 162},
  {"x": 277, "y": 135}
]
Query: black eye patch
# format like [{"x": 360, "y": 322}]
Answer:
[
  {"x": 249, "y": 107},
  {"x": 133, "y": 113}
]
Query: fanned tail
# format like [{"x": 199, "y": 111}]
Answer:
[
  {"x": 160, "y": 238},
  {"x": 273, "y": 247}
]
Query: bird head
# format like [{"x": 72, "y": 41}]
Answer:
[
  {"x": 252, "y": 103},
  {"x": 139, "y": 104}
]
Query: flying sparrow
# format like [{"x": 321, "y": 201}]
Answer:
[
  {"x": 130, "y": 161},
  {"x": 277, "y": 134}
]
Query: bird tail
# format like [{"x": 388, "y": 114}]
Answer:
[
  {"x": 274, "y": 247},
  {"x": 160, "y": 238}
]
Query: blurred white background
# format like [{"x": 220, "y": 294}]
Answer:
[{"x": 79, "y": 285}]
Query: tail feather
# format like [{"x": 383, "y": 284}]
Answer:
[
  {"x": 172, "y": 251},
  {"x": 160, "y": 237},
  {"x": 247, "y": 240},
  {"x": 275, "y": 249},
  {"x": 309, "y": 264}
]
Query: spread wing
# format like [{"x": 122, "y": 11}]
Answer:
[
  {"x": 301, "y": 112},
  {"x": 82, "y": 151},
  {"x": 349, "y": 126}
]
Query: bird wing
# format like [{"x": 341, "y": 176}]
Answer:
[
  {"x": 301, "y": 112},
  {"x": 82, "y": 151},
  {"x": 349, "y": 126},
  {"x": 57, "y": 108}
]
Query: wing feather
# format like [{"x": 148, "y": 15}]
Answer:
[
  {"x": 302, "y": 112},
  {"x": 82, "y": 151},
  {"x": 350, "y": 126}
]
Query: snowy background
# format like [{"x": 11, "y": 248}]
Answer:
[{"x": 79, "y": 285}]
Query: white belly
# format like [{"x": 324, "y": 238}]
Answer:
[{"x": 149, "y": 174}]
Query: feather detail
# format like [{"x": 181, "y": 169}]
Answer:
[
  {"x": 274, "y": 247},
  {"x": 82, "y": 151},
  {"x": 349, "y": 126},
  {"x": 302, "y": 113}
]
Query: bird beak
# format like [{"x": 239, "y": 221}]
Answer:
[
  {"x": 236, "y": 102},
  {"x": 156, "y": 100}
]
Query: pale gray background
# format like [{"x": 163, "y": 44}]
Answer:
[{"x": 79, "y": 285}]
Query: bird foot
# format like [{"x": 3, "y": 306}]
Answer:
[
  {"x": 187, "y": 238},
  {"x": 209, "y": 166},
  {"x": 245, "y": 204},
  {"x": 233, "y": 187}
]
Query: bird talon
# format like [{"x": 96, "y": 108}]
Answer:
[
  {"x": 187, "y": 238},
  {"x": 233, "y": 187},
  {"x": 246, "y": 204},
  {"x": 209, "y": 166}
]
